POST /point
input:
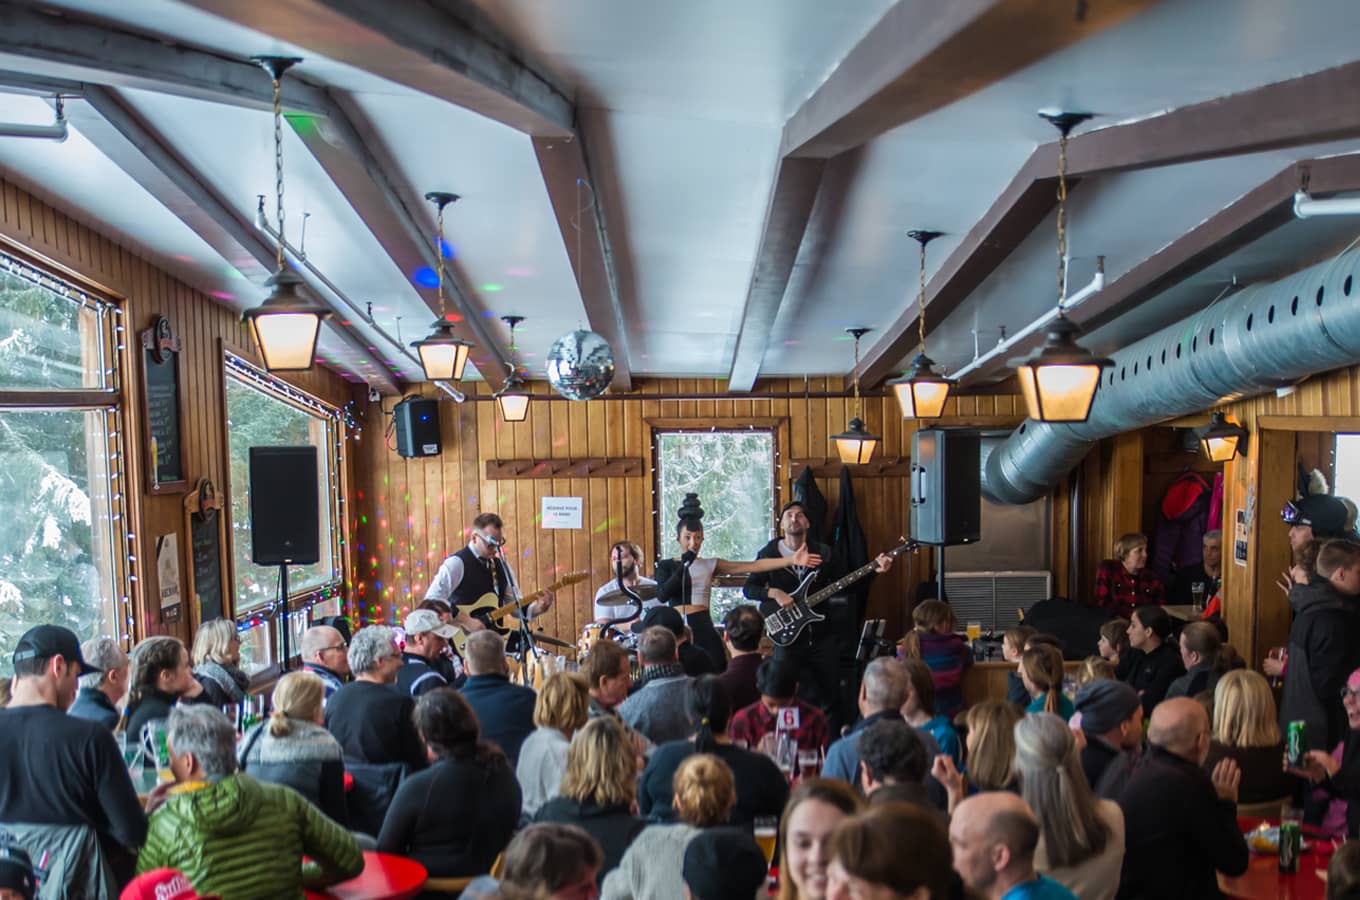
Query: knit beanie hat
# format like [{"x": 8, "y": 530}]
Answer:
[{"x": 1104, "y": 704}]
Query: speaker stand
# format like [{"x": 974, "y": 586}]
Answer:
[
  {"x": 939, "y": 574},
  {"x": 282, "y": 617}
]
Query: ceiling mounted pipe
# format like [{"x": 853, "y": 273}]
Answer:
[{"x": 1263, "y": 337}]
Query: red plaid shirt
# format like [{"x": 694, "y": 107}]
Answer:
[
  {"x": 755, "y": 721},
  {"x": 1121, "y": 592}
]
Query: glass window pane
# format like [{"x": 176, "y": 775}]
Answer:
[
  {"x": 733, "y": 474},
  {"x": 49, "y": 339},
  {"x": 256, "y": 418},
  {"x": 55, "y": 564},
  {"x": 256, "y": 650},
  {"x": 1347, "y": 466}
]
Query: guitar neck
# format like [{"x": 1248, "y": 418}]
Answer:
[{"x": 845, "y": 581}]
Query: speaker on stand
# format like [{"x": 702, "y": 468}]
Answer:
[
  {"x": 285, "y": 527},
  {"x": 946, "y": 491}
]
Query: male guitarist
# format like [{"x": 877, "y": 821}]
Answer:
[
  {"x": 814, "y": 654},
  {"x": 480, "y": 569}
]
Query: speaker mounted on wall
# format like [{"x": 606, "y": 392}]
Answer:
[
  {"x": 416, "y": 421},
  {"x": 285, "y": 528}
]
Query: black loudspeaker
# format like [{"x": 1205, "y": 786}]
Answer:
[
  {"x": 284, "y": 527},
  {"x": 416, "y": 420},
  {"x": 946, "y": 487}
]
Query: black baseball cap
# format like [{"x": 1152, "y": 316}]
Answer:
[
  {"x": 16, "y": 868},
  {"x": 43, "y": 641},
  {"x": 724, "y": 864},
  {"x": 663, "y": 617}
]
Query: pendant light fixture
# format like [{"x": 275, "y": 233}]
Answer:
[
  {"x": 286, "y": 325},
  {"x": 856, "y": 445},
  {"x": 1059, "y": 381},
  {"x": 922, "y": 391},
  {"x": 513, "y": 397},
  {"x": 443, "y": 355},
  {"x": 1221, "y": 439}
]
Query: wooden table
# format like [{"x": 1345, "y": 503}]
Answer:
[
  {"x": 987, "y": 680},
  {"x": 385, "y": 877},
  {"x": 1264, "y": 881}
]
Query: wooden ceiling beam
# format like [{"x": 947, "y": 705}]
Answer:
[
  {"x": 1306, "y": 110},
  {"x": 132, "y": 145},
  {"x": 924, "y": 55}
]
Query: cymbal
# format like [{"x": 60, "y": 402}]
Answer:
[
  {"x": 617, "y": 597},
  {"x": 552, "y": 642}
]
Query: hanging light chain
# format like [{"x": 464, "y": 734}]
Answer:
[
  {"x": 921, "y": 298},
  {"x": 1062, "y": 219},
  {"x": 439, "y": 255},
  {"x": 857, "y": 376},
  {"x": 278, "y": 161}
]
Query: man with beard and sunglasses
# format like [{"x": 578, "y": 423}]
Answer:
[{"x": 478, "y": 569}]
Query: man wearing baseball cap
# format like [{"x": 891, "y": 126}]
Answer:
[
  {"x": 423, "y": 666},
  {"x": 59, "y": 769},
  {"x": 18, "y": 881},
  {"x": 693, "y": 659}
]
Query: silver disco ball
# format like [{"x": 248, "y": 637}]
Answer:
[{"x": 580, "y": 365}]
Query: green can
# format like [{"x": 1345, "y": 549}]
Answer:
[
  {"x": 1296, "y": 744},
  {"x": 1291, "y": 845}
]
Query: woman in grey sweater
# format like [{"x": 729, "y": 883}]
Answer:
[
  {"x": 292, "y": 748},
  {"x": 704, "y": 794}
]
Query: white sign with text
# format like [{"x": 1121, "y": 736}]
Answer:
[{"x": 562, "y": 512}]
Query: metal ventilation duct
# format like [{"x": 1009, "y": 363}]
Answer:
[{"x": 1261, "y": 338}]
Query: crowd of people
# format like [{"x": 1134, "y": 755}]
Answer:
[{"x": 128, "y": 772}]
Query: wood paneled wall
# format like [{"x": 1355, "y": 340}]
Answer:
[
  {"x": 71, "y": 249},
  {"x": 414, "y": 512}
]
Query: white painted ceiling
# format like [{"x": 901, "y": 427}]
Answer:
[{"x": 690, "y": 100}]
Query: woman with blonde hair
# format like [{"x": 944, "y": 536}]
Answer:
[
  {"x": 815, "y": 809},
  {"x": 1095, "y": 668},
  {"x": 1245, "y": 729},
  {"x": 1125, "y": 582},
  {"x": 293, "y": 748},
  {"x": 704, "y": 793},
  {"x": 563, "y": 705},
  {"x": 990, "y": 752},
  {"x": 1041, "y": 670},
  {"x": 1081, "y": 837},
  {"x": 217, "y": 663},
  {"x": 599, "y": 789}
]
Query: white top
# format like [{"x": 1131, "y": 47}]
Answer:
[
  {"x": 450, "y": 575},
  {"x": 542, "y": 763},
  {"x": 701, "y": 578},
  {"x": 609, "y": 612},
  {"x": 1098, "y": 877}
]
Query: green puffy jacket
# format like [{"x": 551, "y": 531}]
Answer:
[{"x": 241, "y": 839}]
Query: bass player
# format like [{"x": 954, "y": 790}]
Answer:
[
  {"x": 815, "y": 653},
  {"x": 478, "y": 569}
]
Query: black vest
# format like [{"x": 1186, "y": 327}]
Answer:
[{"x": 477, "y": 580}]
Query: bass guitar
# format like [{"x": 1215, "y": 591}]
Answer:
[
  {"x": 787, "y": 623},
  {"x": 489, "y": 610}
]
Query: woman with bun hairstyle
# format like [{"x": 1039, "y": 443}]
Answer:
[
  {"x": 688, "y": 579},
  {"x": 703, "y": 795}
]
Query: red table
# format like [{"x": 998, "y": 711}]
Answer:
[
  {"x": 1263, "y": 880},
  {"x": 385, "y": 877}
]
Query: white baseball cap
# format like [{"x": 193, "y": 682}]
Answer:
[{"x": 426, "y": 621}]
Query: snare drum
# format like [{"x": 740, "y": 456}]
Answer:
[{"x": 590, "y": 635}]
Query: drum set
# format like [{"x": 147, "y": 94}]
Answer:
[{"x": 618, "y": 599}]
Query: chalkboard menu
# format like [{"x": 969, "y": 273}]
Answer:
[
  {"x": 162, "y": 409},
  {"x": 203, "y": 510}
]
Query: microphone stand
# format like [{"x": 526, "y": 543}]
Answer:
[
  {"x": 629, "y": 593},
  {"x": 527, "y": 647}
]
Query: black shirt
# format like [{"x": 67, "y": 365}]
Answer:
[
  {"x": 417, "y": 675},
  {"x": 1182, "y": 593},
  {"x": 57, "y": 769},
  {"x": 95, "y": 705},
  {"x": 151, "y": 707},
  {"x": 373, "y": 724},
  {"x": 1151, "y": 674},
  {"x": 695, "y": 660},
  {"x": 761, "y": 788},
  {"x": 455, "y": 817}
]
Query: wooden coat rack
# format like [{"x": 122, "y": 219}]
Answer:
[{"x": 588, "y": 467}]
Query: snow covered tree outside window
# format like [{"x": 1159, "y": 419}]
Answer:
[
  {"x": 56, "y": 529},
  {"x": 259, "y": 418},
  {"x": 733, "y": 474}
]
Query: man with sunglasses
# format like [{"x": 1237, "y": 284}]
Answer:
[
  {"x": 478, "y": 569},
  {"x": 324, "y": 655}
]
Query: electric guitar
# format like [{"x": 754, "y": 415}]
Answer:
[
  {"x": 787, "y": 623},
  {"x": 489, "y": 611}
]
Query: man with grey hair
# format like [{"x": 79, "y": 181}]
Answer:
[
  {"x": 993, "y": 836},
  {"x": 882, "y": 693},
  {"x": 505, "y": 710},
  {"x": 325, "y": 655},
  {"x": 101, "y": 692},
  {"x": 369, "y": 717},
  {"x": 1202, "y": 578},
  {"x": 659, "y": 708},
  {"x": 231, "y": 835}
]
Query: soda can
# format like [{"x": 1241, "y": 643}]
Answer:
[
  {"x": 1291, "y": 845},
  {"x": 1296, "y": 744}
]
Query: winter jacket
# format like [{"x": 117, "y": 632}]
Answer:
[
  {"x": 1120, "y": 591},
  {"x": 1152, "y": 673},
  {"x": 652, "y": 869},
  {"x": 806, "y": 492},
  {"x": 946, "y": 655},
  {"x": 1179, "y": 538},
  {"x": 222, "y": 685},
  {"x": 1322, "y": 653},
  {"x": 850, "y": 551},
  {"x": 613, "y": 827},
  {"x": 308, "y": 759},
  {"x": 95, "y": 705},
  {"x": 242, "y": 839},
  {"x": 1196, "y": 680}
]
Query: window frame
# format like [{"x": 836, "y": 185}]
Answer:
[
  {"x": 300, "y": 601},
  {"x": 117, "y": 538},
  {"x": 777, "y": 426}
]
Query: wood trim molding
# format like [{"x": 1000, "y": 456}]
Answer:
[
  {"x": 703, "y": 423},
  {"x": 1308, "y": 423},
  {"x": 590, "y": 467}
]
